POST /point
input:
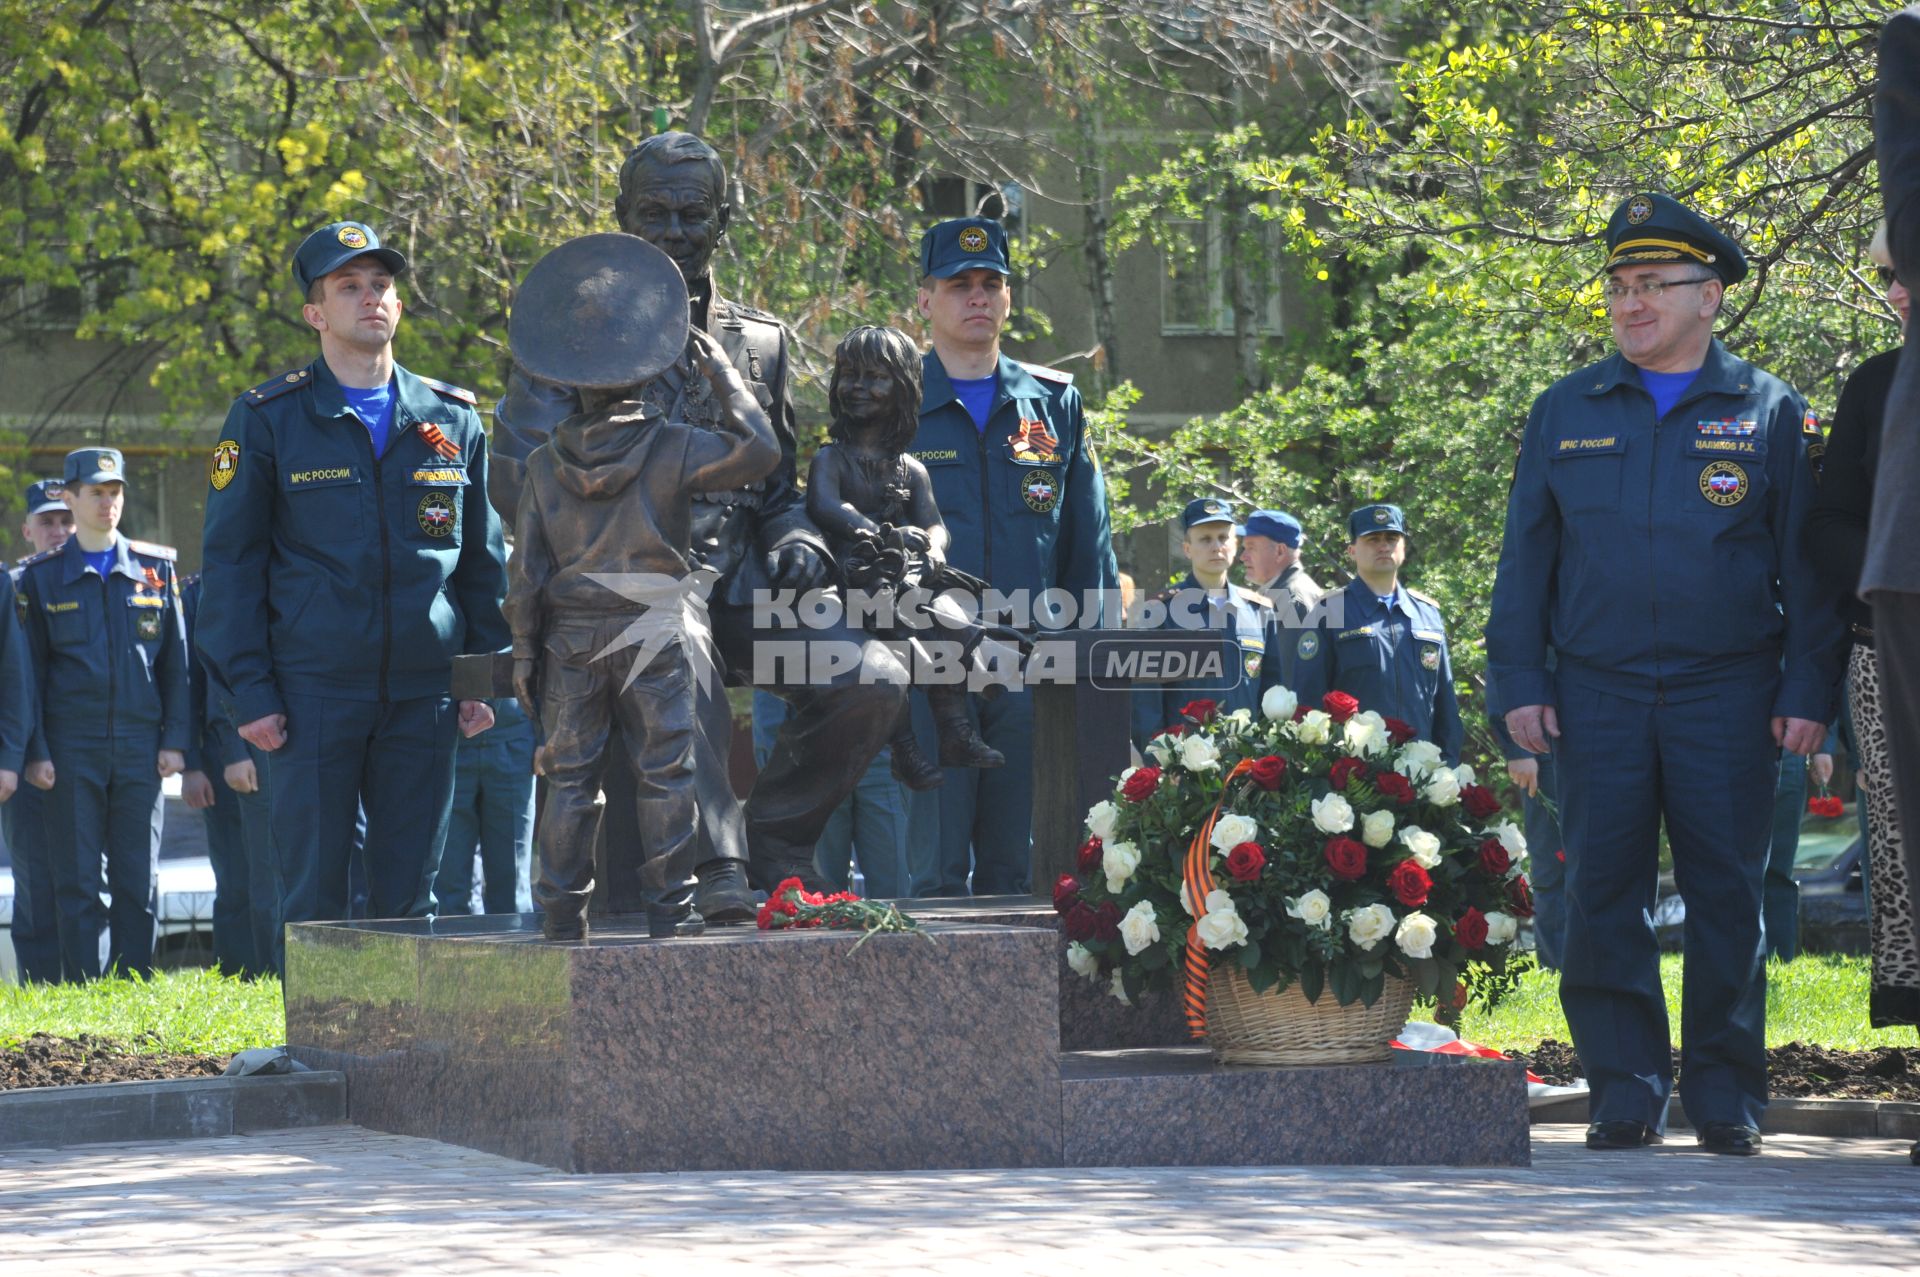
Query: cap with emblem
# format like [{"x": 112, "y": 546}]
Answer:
[
  {"x": 1206, "y": 510},
  {"x": 965, "y": 243},
  {"x": 1275, "y": 525},
  {"x": 1652, "y": 228},
  {"x": 95, "y": 465},
  {"x": 334, "y": 245},
  {"x": 44, "y": 496},
  {"x": 1376, "y": 518}
]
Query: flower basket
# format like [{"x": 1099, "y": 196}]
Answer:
[{"x": 1282, "y": 1027}]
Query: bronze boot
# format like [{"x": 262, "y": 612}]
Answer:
[{"x": 913, "y": 768}]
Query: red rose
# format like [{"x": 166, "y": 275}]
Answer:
[
  {"x": 1339, "y": 706},
  {"x": 1471, "y": 929},
  {"x": 1079, "y": 922},
  {"x": 1066, "y": 894},
  {"x": 1347, "y": 859},
  {"x": 1268, "y": 772},
  {"x": 1399, "y": 731},
  {"x": 1520, "y": 896},
  {"x": 1200, "y": 711},
  {"x": 1089, "y": 856},
  {"x": 1395, "y": 786},
  {"x": 1300, "y": 713},
  {"x": 1345, "y": 768},
  {"x": 1141, "y": 784},
  {"x": 1409, "y": 883},
  {"x": 1106, "y": 921},
  {"x": 1246, "y": 861},
  {"x": 1494, "y": 858},
  {"x": 1479, "y": 801},
  {"x": 1178, "y": 729}
]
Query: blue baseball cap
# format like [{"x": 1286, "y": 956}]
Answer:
[
  {"x": 44, "y": 496},
  {"x": 965, "y": 243},
  {"x": 1376, "y": 518},
  {"x": 1275, "y": 525},
  {"x": 95, "y": 465},
  {"x": 1651, "y": 228},
  {"x": 334, "y": 245},
  {"x": 1205, "y": 510}
]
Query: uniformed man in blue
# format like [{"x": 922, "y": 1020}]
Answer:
[
  {"x": 350, "y": 554},
  {"x": 36, "y": 928},
  {"x": 1016, "y": 481},
  {"x": 1206, "y": 600},
  {"x": 1655, "y": 545},
  {"x": 1380, "y": 641},
  {"x": 109, "y": 652},
  {"x": 1270, "y": 543}
]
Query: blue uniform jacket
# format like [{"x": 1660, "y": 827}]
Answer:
[
  {"x": 331, "y": 572},
  {"x": 16, "y": 681},
  {"x": 109, "y": 656},
  {"x": 1026, "y": 506},
  {"x": 1394, "y": 661},
  {"x": 216, "y": 743},
  {"x": 1664, "y": 558},
  {"x": 1254, "y": 625}
]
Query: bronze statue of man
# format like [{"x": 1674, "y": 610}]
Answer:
[{"x": 673, "y": 193}]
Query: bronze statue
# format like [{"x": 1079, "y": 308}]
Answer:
[
  {"x": 875, "y": 503},
  {"x": 673, "y": 193},
  {"x": 603, "y": 562}
]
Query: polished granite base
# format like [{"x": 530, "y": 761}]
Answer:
[{"x": 746, "y": 1050}]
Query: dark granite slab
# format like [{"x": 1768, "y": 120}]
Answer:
[
  {"x": 738, "y": 1049},
  {"x": 183, "y": 1108},
  {"x": 1176, "y": 1107}
]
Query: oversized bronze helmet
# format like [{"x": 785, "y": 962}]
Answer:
[{"x": 600, "y": 312}]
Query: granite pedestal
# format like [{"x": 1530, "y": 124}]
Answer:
[{"x": 972, "y": 1046}]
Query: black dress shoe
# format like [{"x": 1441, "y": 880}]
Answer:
[
  {"x": 1730, "y": 1138},
  {"x": 1622, "y": 1133}
]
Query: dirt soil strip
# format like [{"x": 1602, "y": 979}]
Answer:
[
  {"x": 45, "y": 1060},
  {"x": 1797, "y": 1070}
]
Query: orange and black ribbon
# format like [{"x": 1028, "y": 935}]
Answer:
[
  {"x": 439, "y": 442},
  {"x": 1198, "y": 874},
  {"x": 153, "y": 578}
]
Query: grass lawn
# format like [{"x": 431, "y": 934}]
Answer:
[
  {"x": 1816, "y": 998},
  {"x": 177, "y": 1012}
]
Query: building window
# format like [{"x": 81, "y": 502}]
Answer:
[{"x": 1196, "y": 287}]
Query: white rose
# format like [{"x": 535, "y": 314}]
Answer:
[
  {"x": 1101, "y": 818},
  {"x": 1417, "y": 758},
  {"x": 1415, "y": 935},
  {"x": 1241, "y": 717},
  {"x": 1366, "y": 735},
  {"x": 1197, "y": 754},
  {"x": 1377, "y": 829},
  {"x": 1463, "y": 774},
  {"x": 1221, "y": 928},
  {"x": 1332, "y": 814},
  {"x": 1313, "y": 908},
  {"x": 1502, "y": 928},
  {"x": 1369, "y": 926},
  {"x": 1231, "y": 830},
  {"x": 1081, "y": 959},
  {"x": 1424, "y": 846},
  {"x": 1314, "y": 729},
  {"x": 1443, "y": 790},
  {"x": 1139, "y": 929},
  {"x": 1160, "y": 752},
  {"x": 1118, "y": 987},
  {"x": 1279, "y": 703},
  {"x": 1118, "y": 860},
  {"x": 1511, "y": 838}
]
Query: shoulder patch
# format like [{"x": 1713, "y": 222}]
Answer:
[
  {"x": 1045, "y": 373},
  {"x": 1258, "y": 600},
  {"x": 153, "y": 549},
  {"x": 1421, "y": 595},
  {"x": 447, "y": 390},
  {"x": 41, "y": 557},
  {"x": 274, "y": 387}
]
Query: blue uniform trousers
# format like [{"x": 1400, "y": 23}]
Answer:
[
  {"x": 1546, "y": 869},
  {"x": 1707, "y": 767},
  {"x": 985, "y": 817},
  {"x": 493, "y": 808},
  {"x": 245, "y": 903},
  {"x": 1780, "y": 897},
  {"x": 103, "y": 822},
  {"x": 395, "y": 758},
  {"x": 36, "y": 920}
]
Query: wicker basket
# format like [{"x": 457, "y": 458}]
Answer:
[{"x": 1244, "y": 1027}]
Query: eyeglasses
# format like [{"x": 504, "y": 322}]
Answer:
[
  {"x": 1652, "y": 289},
  {"x": 1886, "y": 276}
]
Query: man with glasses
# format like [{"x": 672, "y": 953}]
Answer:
[{"x": 1655, "y": 543}]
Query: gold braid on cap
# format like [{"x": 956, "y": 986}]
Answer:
[{"x": 1623, "y": 251}]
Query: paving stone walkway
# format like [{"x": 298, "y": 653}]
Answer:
[{"x": 343, "y": 1202}]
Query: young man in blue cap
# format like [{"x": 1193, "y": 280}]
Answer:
[
  {"x": 1017, "y": 484},
  {"x": 350, "y": 554},
  {"x": 109, "y": 652},
  {"x": 36, "y": 928},
  {"x": 1380, "y": 641},
  {"x": 1270, "y": 543},
  {"x": 1655, "y": 545},
  {"x": 1206, "y": 600}
]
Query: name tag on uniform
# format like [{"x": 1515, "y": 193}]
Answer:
[
  {"x": 1728, "y": 438},
  {"x": 441, "y": 475},
  {"x": 1364, "y": 631},
  {"x": 1430, "y": 636},
  {"x": 71, "y": 605},
  {"x": 1587, "y": 446},
  {"x": 325, "y": 476},
  {"x": 938, "y": 457}
]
